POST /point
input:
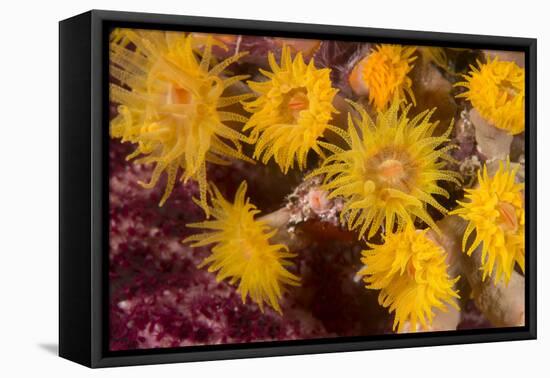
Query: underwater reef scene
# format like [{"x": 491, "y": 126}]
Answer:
[{"x": 269, "y": 189}]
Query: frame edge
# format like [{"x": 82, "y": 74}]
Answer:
[
  {"x": 99, "y": 359},
  {"x": 75, "y": 336}
]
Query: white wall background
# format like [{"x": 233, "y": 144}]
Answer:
[{"x": 29, "y": 187}]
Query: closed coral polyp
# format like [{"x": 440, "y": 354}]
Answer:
[
  {"x": 495, "y": 212},
  {"x": 242, "y": 251},
  {"x": 384, "y": 74},
  {"x": 170, "y": 105},
  {"x": 410, "y": 271},
  {"x": 389, "y": 170},
  {"x": 292, "y": 112}
]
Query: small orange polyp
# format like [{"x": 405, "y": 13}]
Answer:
[
  {"x": 356, "y": 82},
  {"x": 306, "y": 46}
]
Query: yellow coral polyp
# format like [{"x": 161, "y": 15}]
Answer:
[
  {"x": 292, "y": 112},
  {"x": 410, "y": 271},
  {"x": 170, "y": 105},
  {"x": 496, "y": 90},
  {"x": 389, "y": 170},
  {"x": 242, "y": 250},
  {"x": 495, "y": 212},
  {"x": 384, "y": 74}
]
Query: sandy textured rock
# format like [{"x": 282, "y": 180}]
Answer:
[{"x": 492, "y": 142}]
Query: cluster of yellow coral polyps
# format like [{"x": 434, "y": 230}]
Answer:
[
  {"x": 496, "y": 90},
  {"x": 170, "y": 105},
  {"x": 410, "y": 271},
  {"x": 384, "y": 74},
  {"x": 495, "y": 212},
  {"x": 389, "y": 170},
  {"x": 292, "y": 112},
  {"x": 242, "y": 251}
]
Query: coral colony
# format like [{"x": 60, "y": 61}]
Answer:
[{"x": 266, "y": 189}]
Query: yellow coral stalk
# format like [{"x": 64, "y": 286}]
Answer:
[
  {"x": 496, "y": 90},
  {"x": 170, "y": 106},
  {"x": 389, "y": 170},
  {"x": 410, "y": 271},
  {"x": 495, "y": 212},
  {"x": 242, "y": 251},
  {"x": 292, "y": 112},
  {"x": 384, "y": 74}
]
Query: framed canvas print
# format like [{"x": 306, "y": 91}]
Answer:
[{"x": 233, "y": 188}]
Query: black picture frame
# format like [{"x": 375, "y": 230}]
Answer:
[{"x": 83, "y": 179}]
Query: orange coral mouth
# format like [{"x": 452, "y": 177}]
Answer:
[
  {"x": 411, "y": 270},
  {"x": 508, "y": 219},
  {"x": 297, "y": 101},
  {"x": 178, "y": 95},
  {"x": 391, "y": 170},
  {"x": 247, "y": 250},
  {"x": 507, "y": 89}
]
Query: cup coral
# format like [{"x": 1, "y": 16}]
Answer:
[
  {"x": 495, "y": 211},
  {"x": 389, "y": 170},
  {"x": 383, "y": 74},
  {"x": 497, "y": 90},
  {"x": 292, "y": 112},
  {"x": 410, "y": 271},
  {"x": 242, "y": 251},
  {"x": 169, "y": 105}
]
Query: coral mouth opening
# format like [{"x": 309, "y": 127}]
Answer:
[
  {"x": 391, "y": 170},
  {"x": 295, "y": 101},
  {"x": 508, "y": 89},
  {"x": 508, "y": 220},
  {"x": 178, "y": 95},
  {"x": 411, "y": 270},
  {"x": 246, "y": 250}
]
